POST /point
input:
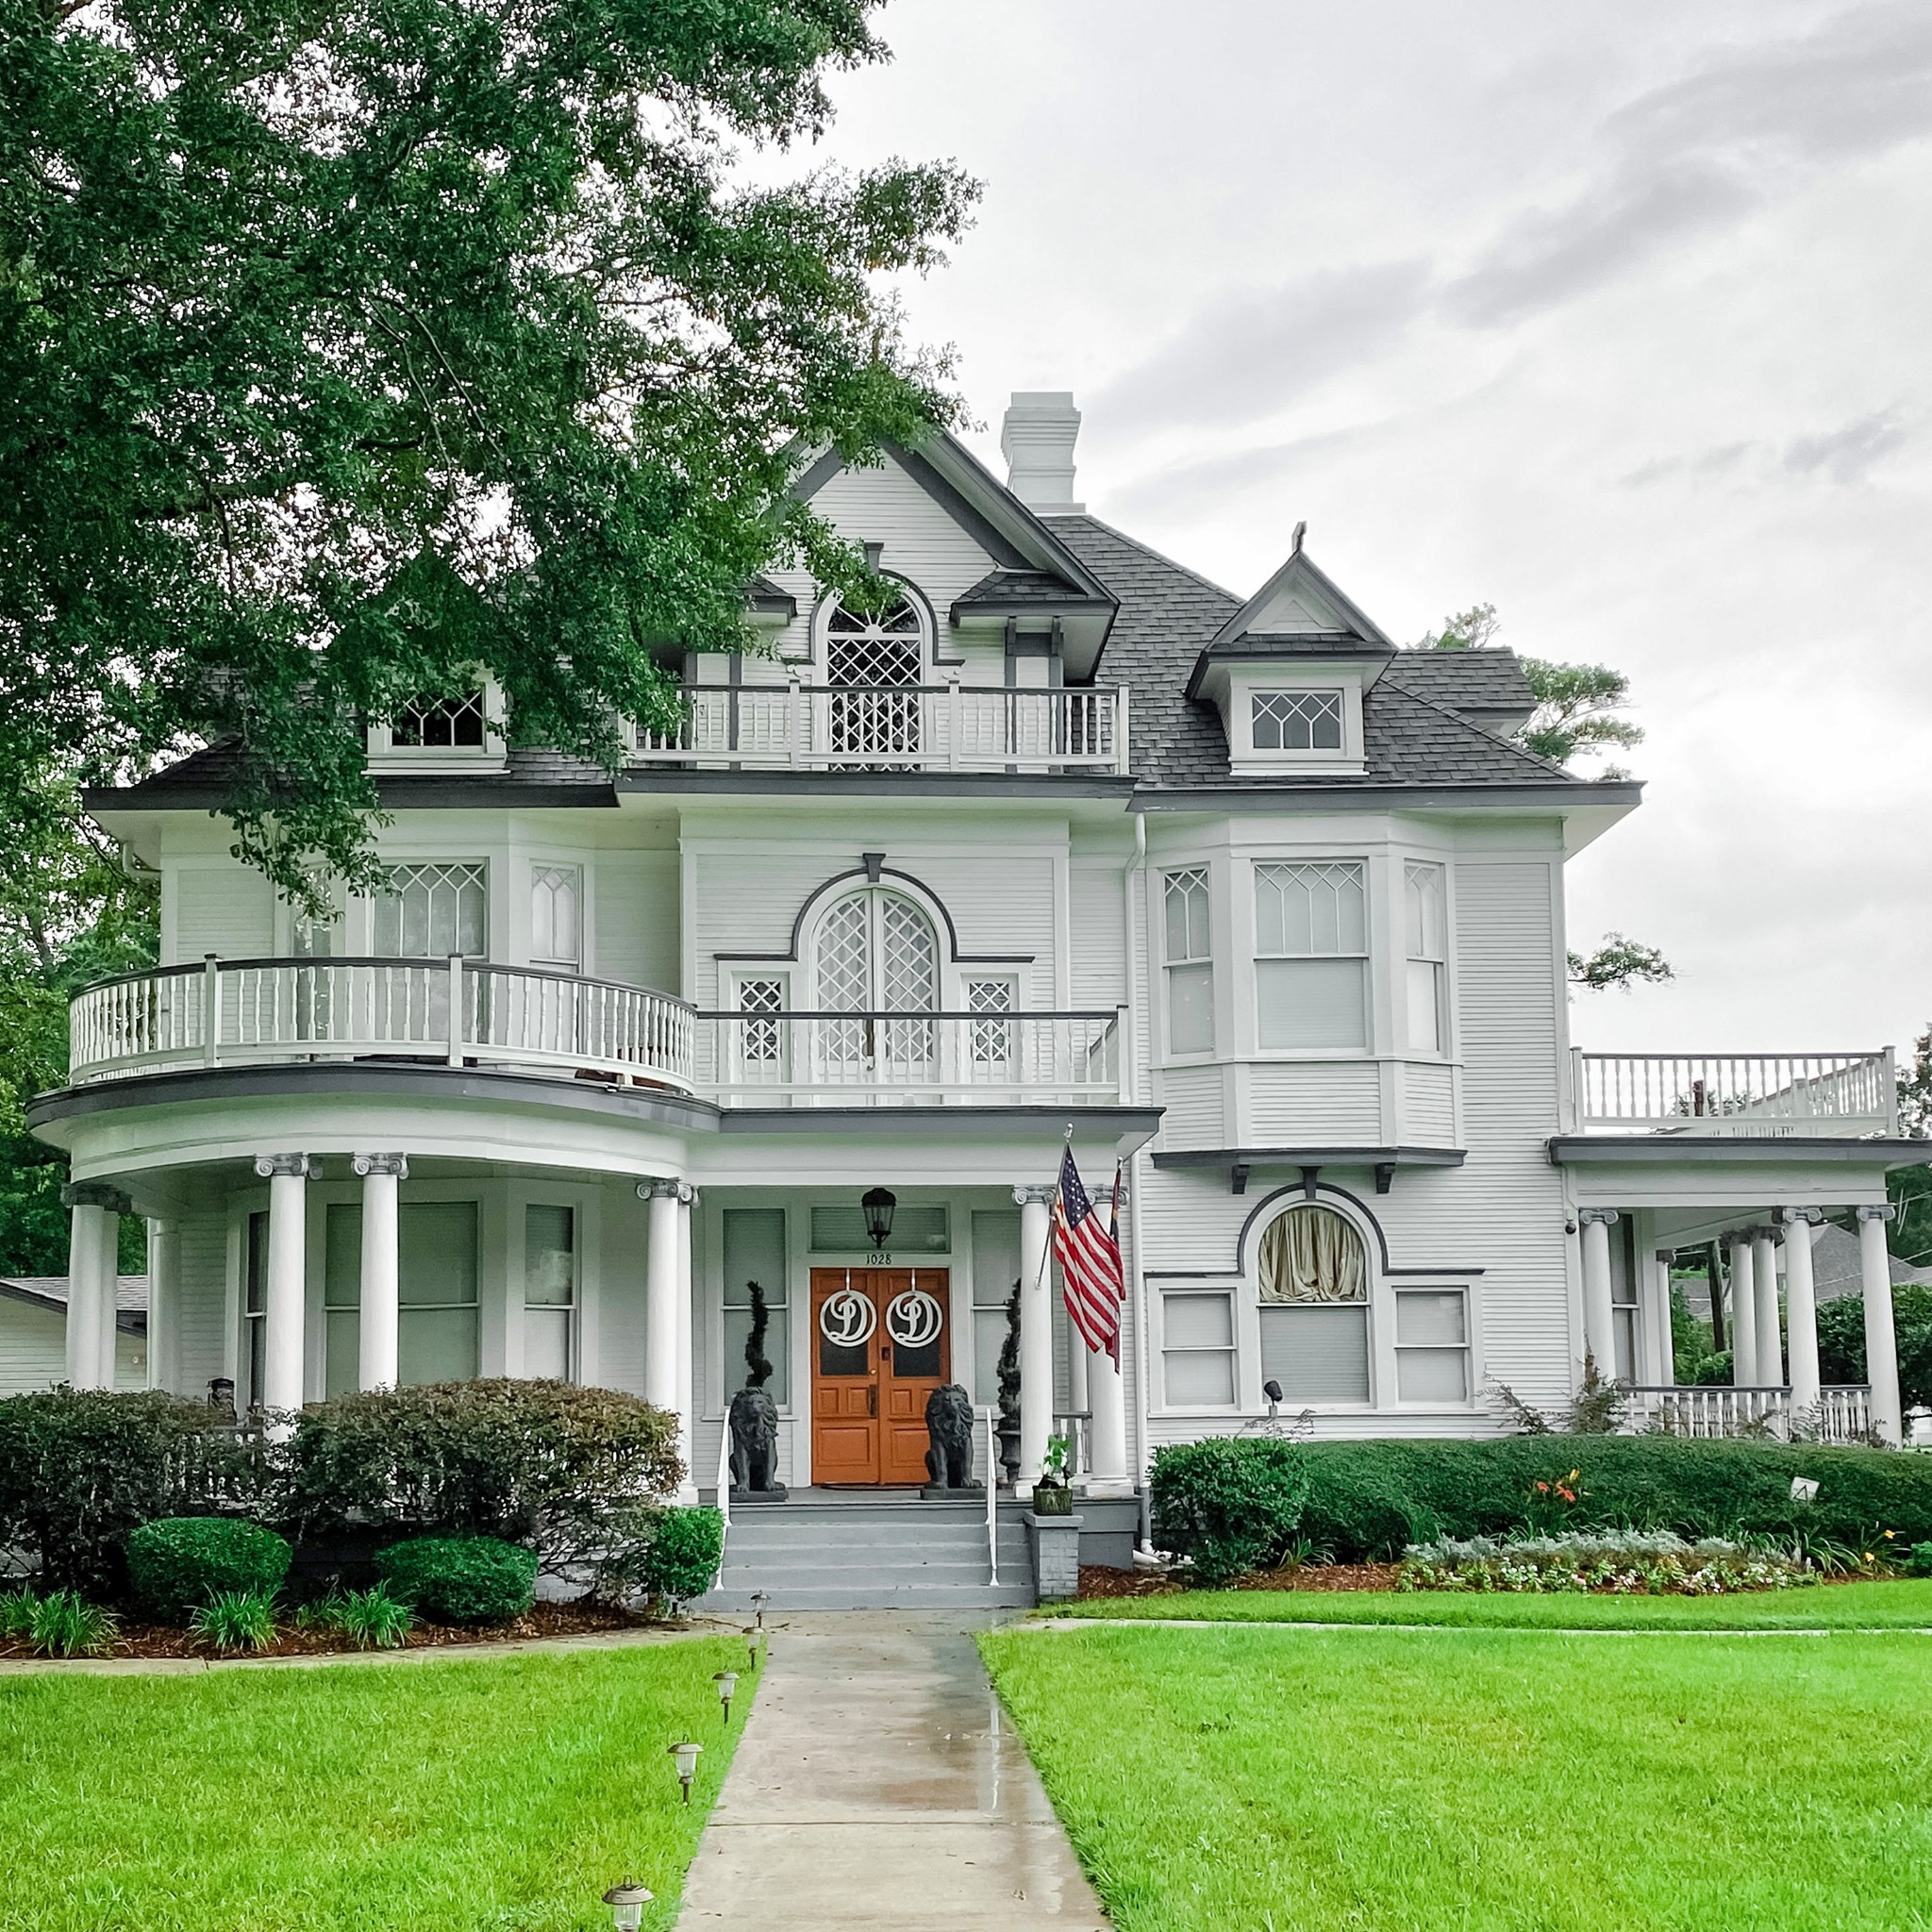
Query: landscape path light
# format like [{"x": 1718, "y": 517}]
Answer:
[
  {"x": 726, "y": 1682},
  {"x": 687, "y": 1756},
  {"x": 759, "y": 1598},
  {"x": 750, "y": 1646},
  {"x": 627, "y": 1902}
]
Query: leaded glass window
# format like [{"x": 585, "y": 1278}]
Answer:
[{"x": 1297, "y": 720}]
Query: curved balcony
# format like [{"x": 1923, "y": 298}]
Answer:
[
  {"x": 463, "y": 1012},
  {"x": 466, "y": 1013}
]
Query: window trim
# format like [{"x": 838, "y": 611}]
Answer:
[{"x": 1248, "y": 759}]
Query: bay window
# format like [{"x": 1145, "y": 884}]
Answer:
[
  {"x": 1311, "y": 947},
  {"x": 1426, "y": 928}
]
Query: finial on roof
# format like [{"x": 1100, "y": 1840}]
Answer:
[{"x": 1301, "y": 530}]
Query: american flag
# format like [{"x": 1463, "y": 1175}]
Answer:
[{"x": 1090, "y": 1259}]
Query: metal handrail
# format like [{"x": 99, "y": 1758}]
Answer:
[
  {"x": 993, "y": 1501},
  {"x": 724, "y": 1499}
]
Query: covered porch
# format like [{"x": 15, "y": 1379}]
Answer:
[{"x": 1750, "y": 1154}]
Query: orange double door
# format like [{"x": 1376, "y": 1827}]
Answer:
[{"x": 881, "y": 1343}]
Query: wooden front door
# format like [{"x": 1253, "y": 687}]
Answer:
[{"x": 881, "y": 1344}]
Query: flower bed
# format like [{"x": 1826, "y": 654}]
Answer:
[{"x": 1618, "y": 1563}]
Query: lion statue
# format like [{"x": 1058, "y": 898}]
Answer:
[
  {"x": 949, "y": 1429},
  {"x": 754, "y": 1423}
]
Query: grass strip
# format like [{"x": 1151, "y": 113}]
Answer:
[
  {"x": 1286, "y": 1782},
  {"x": 502, "y": 1792},
  {"x": 1905, "y": 1605}
]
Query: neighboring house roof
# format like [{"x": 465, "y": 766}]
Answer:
[
  {"x": 1169, "y": 616},
  {"x": 1838, "y": 1270},
  {"x": 50, "y": 1291}
]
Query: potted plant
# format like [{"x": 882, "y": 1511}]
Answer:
[{"x": 1053, "y": 1495}]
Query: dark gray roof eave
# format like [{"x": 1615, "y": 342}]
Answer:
[{"x": 1244, "y": 793}]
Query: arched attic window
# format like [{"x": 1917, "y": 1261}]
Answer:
[
  {"x": 1313, "y": 1287},
  {"x": 874, "y": 663}
]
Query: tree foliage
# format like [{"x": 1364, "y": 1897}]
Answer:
[
  {"x": 1841, "y": 1340},
  {"x": 70, "y": 912},
  {"x": 347, "y": 348},
  {"x": 1619, "y": 962}
]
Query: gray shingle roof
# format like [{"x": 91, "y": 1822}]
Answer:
[
  {"x": 1167, "y": 615},
  {"x": 130, "y": 1291},
  {"x": 1473, "y": 682}
]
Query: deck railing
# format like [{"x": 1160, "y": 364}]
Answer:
[
  {"x": 1743, "y": 1094},
  {"x": 965, "y": 1058},
  {"x": 1843, "y": 1412},
  {"x": 945, "y": 727},
  {"x": 239, "y": 1012}
]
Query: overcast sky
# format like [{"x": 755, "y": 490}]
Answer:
[{"x": 1616, "y": 316}]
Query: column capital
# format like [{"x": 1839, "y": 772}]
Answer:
[
  {"x": 1035, "y": 1195},
  {"x": 1884, "y": 1212},
  {"x": 1608, "y": 1217},
  {"x": 364, "y": 1165},
  {"x": 1793, "y": 1217},
  {"x": 95, "y": 1194},
  {"x": 1769, "y": 1235},
  {"x": 667, "y": 1190},
  {"x": 305, "y": 1167}
]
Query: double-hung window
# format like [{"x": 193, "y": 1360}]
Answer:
[
  {"x": 550, "y": 1291},
  {"x": 1189, "y": 962},
  {"x": 1427, "y": 925},
  {"x": 1197, "y": 1348},
  {"x": 437, "y": 1325},
  {"x": 1311, "y": 948},
  {"x": 1432, "y": 1344}
]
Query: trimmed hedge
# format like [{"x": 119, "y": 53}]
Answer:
[
  {"x": 1366, "y": 1500},
  {"x": 681, "y": 1559},
  {"x": 460, "y": 1579},
  {"x": 1232, "y": 1505},
  {"x": 178, "y": 1563}
]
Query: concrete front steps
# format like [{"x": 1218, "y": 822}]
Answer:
[{"x": 829, "y": 1550}]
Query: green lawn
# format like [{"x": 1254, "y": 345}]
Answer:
[
  {"x": 1253, "y": 1780},
  {"x": 436, "y": 1796},
  {"x": 1897, "y": 1605}
]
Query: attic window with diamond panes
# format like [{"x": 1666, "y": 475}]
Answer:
[
  {"x": 1297, "y": 720},
  {"x": 873, "y": 664},
  {"x": 441, "y": 724}
]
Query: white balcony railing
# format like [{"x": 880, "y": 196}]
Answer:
[
  {"x": 463, "y": 1012},
  {"x": 242, "y": 1012},
  {"x": 885, "y": 1059},
  {"x": 1843, "y": 1094},
  {"x": 1843, "y": 1413},
  {"x": 947, "y": 727}
]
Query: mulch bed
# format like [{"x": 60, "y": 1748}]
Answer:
[
  {"x": 1098, "y": 1582},
  {"x": 543, "y": 1620}
]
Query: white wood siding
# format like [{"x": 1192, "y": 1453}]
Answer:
[
  {"x": 634, "y": 897},
  {"x": 201, "y": 1351},
  {"x": 1319, "y": 1102},
  {"x": 226, "y": 909}
]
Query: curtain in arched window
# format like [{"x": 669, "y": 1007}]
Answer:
[{"x": 1312, "y": 1255}]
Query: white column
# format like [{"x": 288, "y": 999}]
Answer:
[
  {"x": 1599, "y": 1324},
  {"x": 379, "y": 1320},
  {"x": 1036, "y": 1331},
  {"x": 87, "y": 1238},
  {"x": 687, "y": 1404},
  {"x": 1078, "y": 1397},
  {"x": 1663, "y": 1342},
  {"x": 1743, "y": 1315},
  {"x": 666, "y": 1258},
  {"x": 1771, "y": 1349},
  {"x": 107, "y": 1294},
  {"x": 1881, "y": 1340},
  {"x": 285, "y": 1293},
  {"x": 1107, "y": 1434},
  {"x": 1801, "y": 1308},
  {"x": 163, "y": 1303}
]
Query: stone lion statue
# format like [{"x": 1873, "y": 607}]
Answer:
[
  {"x": 949, "y": 1429},
  {"x": 753, "y": 1423}
]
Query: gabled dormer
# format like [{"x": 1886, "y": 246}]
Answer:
[{"x": 1287, "y": 672}]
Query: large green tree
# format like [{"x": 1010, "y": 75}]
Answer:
[
  {"x": 346, "y": 345},
  {"x": 1579, "y": 711}
]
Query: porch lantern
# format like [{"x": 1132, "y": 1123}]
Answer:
[
  {"x": 726, "y": 1682},
  {"x": 627, "y": 1902},
  {"x": 687, "y": 1756},
  {"x": 879, "y": 1204}
]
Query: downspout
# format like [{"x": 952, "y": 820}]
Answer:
[{"x": 1130, "y": 1060}]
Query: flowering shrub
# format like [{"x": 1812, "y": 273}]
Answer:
[{"x": 1621, "y": 1562}]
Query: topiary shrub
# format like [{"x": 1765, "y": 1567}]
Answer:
[
  {"x": 680, "y": 1558},
  {"x": 572, "y": 1473},
  {"x": 81, "y": 1469},
  {"x": 460, "y": 1579},
  {"x": 1230, "y": 1504},
  {"x": 181, "y": 1562}
]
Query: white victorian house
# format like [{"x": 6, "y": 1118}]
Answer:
[{"x": 1239, "y": 892}]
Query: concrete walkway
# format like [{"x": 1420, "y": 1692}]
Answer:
[{"x": 878, "y": 1783}]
